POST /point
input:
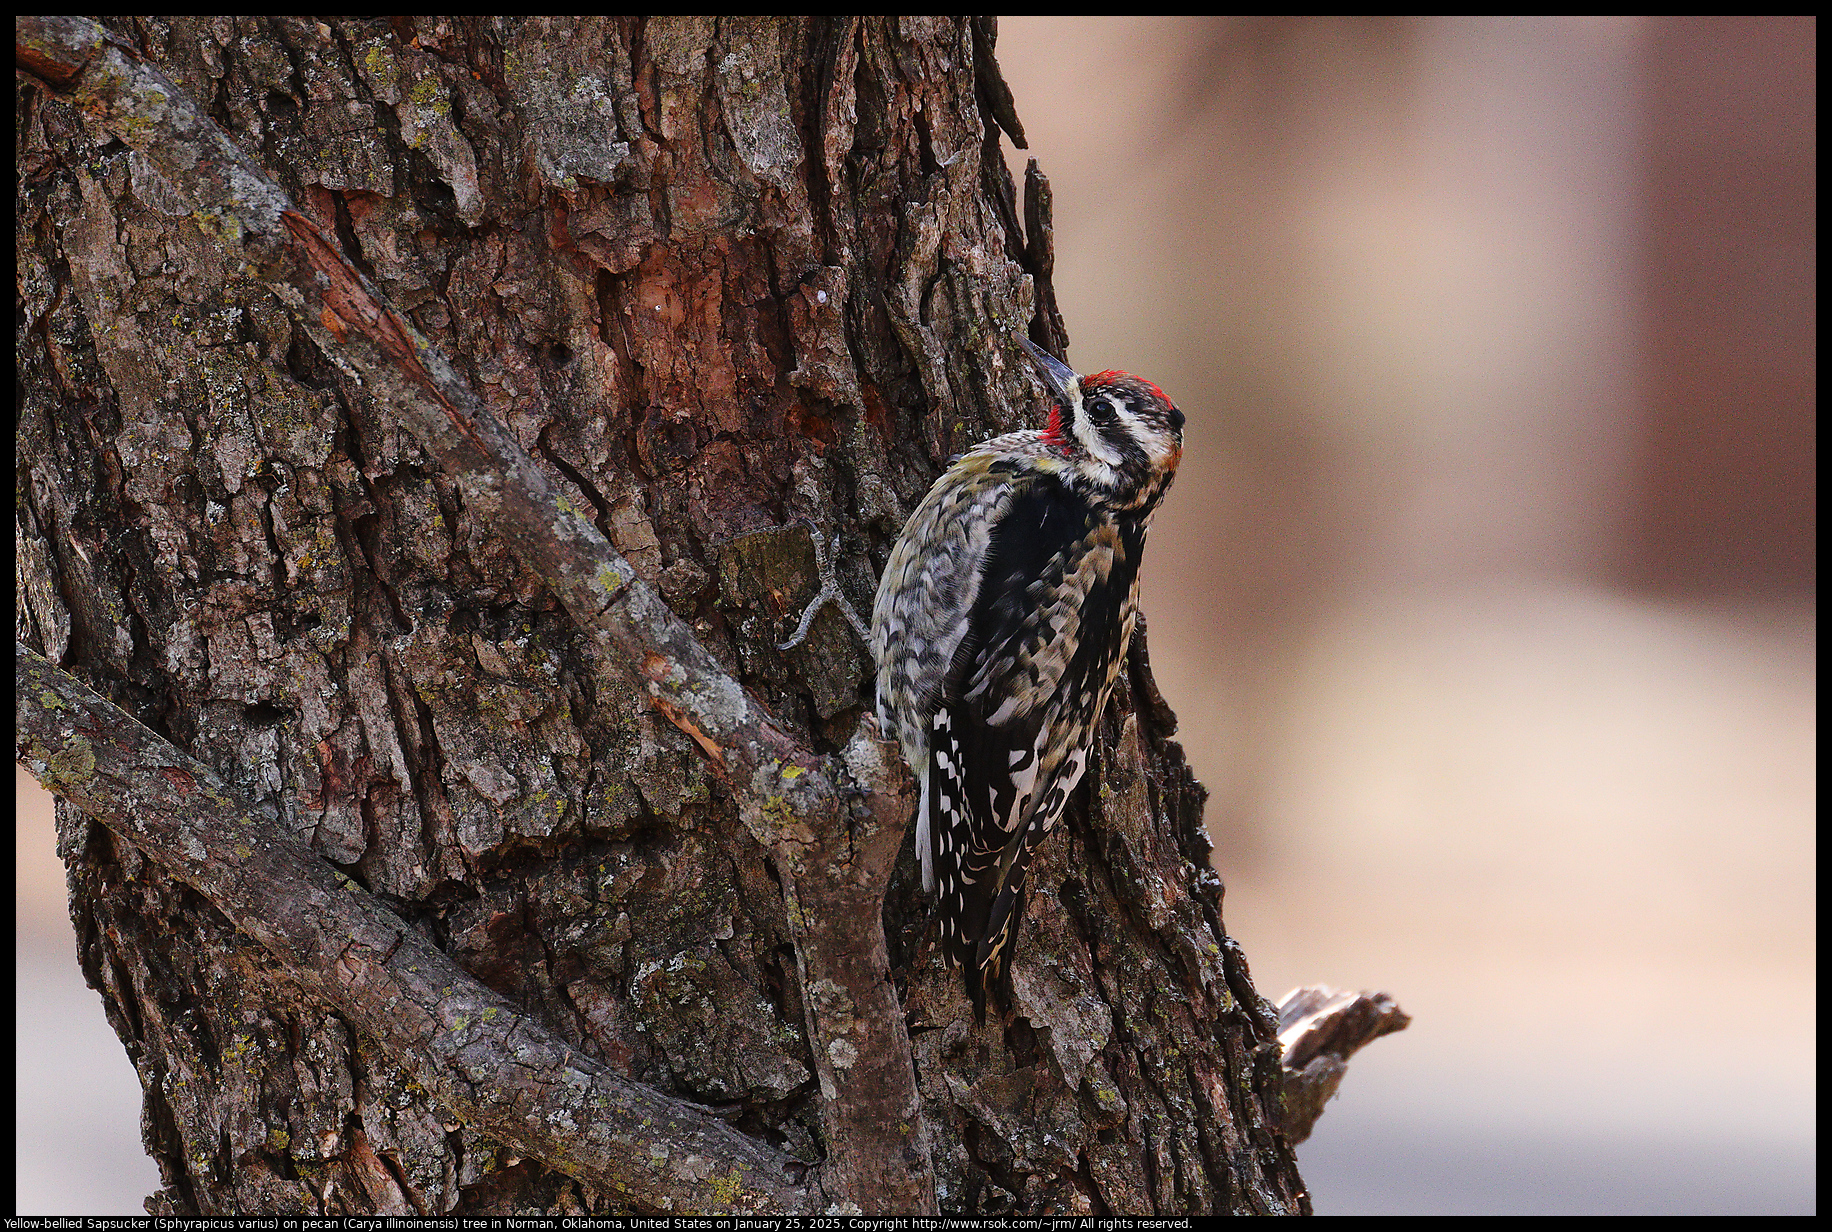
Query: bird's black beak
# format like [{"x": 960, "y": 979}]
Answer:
[{"x": 1058, "y": 377}]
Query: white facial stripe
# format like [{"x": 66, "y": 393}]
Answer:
[
  {"x": 1100, "y": 473},
  {"x": 1154, "y": 440},
  {"x": 1131, "y": 423},
  {"x": 1098, "y": 447}
]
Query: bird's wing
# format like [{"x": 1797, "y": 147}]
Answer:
[{"x": 1040, "y": 650}]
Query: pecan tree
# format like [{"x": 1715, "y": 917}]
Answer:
[{"x": 427, "y": 427}]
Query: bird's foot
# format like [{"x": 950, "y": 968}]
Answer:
[{"x": 829, "y": 593}]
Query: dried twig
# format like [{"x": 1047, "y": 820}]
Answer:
[{"x": 1319, "y": 1030}]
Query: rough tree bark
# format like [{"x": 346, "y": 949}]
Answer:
[{"x": 721, "y": 283}]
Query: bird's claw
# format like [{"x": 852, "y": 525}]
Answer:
[{"x": 829, "y": 593}]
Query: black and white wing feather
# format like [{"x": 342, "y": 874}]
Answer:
[
  {"x": 1052, "y": 615},
  {"x": 922, "y": 610}
]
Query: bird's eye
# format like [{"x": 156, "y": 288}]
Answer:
[{"x": 1100, "y": 410}]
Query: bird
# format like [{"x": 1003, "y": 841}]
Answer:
[{"x": 999, "y": 626}]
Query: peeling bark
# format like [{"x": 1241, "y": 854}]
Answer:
[
  {"x": 1319, "y": 1030},
  {"x": 328, "y": 505}
]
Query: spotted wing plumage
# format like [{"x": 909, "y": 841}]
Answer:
[
  {"x": 999, "y": 626},
  {"x": 1009, "y": 741},
  {"x": 920, "y": 616}
]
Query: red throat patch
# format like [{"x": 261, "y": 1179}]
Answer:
[{"x": 1052, "y": 435}]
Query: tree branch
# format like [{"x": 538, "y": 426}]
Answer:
[
  {"x": 835, "y": 865},
  {"x": 479, "y": 1055},
  {"x": 1319, "y": 1030}
]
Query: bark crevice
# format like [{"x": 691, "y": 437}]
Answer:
[{"x": 422, "y": 457}]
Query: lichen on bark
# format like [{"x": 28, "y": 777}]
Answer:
[{"x": 721, "y": 280}]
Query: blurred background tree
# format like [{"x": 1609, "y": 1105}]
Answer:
[{"x": 1487, "y": 599}]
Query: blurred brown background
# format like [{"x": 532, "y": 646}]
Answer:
[{"x": 1485, "y": 595}]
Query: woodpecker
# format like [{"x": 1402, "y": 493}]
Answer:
[{"x": 999, "y": 628}]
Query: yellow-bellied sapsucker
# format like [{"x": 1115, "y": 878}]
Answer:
[{"x": 999, "y": 628}]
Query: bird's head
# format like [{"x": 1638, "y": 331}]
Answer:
[{"x": 1119, "y": 430}]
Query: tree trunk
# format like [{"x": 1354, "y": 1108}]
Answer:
[{"x": 725, "y": 280}]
